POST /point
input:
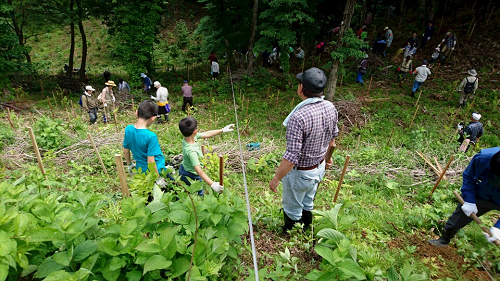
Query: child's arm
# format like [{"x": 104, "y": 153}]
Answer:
[
  {"x": 151, "y": 159},
  {"x": 212, "y": 133},
  {"x": 203, "y": 175},
  {"x": 126, "y": 153}
]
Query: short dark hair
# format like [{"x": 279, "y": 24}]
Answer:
[
  {"x": 187, "y": 126},
  {"x": 311, "y": 94},
  {"x": 147, "y": 109},
  {"x": 120, "y": 80}
]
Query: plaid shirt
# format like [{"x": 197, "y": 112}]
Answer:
[
  {"x": 473, "y": 131},
  {"x": 309, "y": 132}
]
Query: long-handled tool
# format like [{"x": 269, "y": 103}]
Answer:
[{"x": 475, "y": 218}]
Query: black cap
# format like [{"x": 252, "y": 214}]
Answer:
[{"x": 313, "y": 79}]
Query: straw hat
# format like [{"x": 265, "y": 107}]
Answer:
[{"x": 110, "y": 83}]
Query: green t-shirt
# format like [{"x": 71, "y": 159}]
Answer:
[{"x": 191, "y": 154}]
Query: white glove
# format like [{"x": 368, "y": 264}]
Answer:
[
  {"x": 495, "y": 235},
  {"x": 217, "y": 187},
  {"x": 228, "y": 128},
  {"x": 153, "y": 98},
  {"x": 453, "y": 48},
  {"x": 113, "y": 98},
  {"x": 161, "y": 182},
  {"x": 469, "y": 208},
  {"x": 130, "y": 168},
  {"x": 428, "y": 38},
  {"x": 105, "y": 105},
  {"x": 460, "y": 127}
]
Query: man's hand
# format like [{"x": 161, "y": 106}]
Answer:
[
  {"x": 273, "y": 184},
  {"x": 153, "y": 98},
  {"x": 453, "y": 49},
  {"x": 228, "y": 128},
  {"x": 161, "y": 182},
  {"x": 130, "y": 168},
  {"x": 329, "y": 163},
  {"x": 217, "y": 187},
  {"x": 469, "y": 208},
  {"x": 495, "y": 235}
]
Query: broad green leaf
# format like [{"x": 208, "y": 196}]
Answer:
[
  {"x": 84, "y": 249},
  {"x": 180, "y": 266},
  {"x": 134, "y": 275},
  {"x": 4, "y": 271},
  {"x": 5, "y": 245},
  {"x": 179, "y": 217},
  {"x": 325, "y": 253},
  {"x": 108, "y": 245},
  {"x": 216, "y": 218},
  {"x": 90, "y": 262},
  {"x": 351, "y": 268},
  {"x": 63, "y": 258},
  {"x": 47, "y": 267},
  {"x": 59, "y": 275},
  {"x": 82, "y": 274},
  {"x": 159, "y": 216},
  {"x": 156, "y": 262},
  {"x": 333, "y": 234},
  {"x": 149, "y": 247},
  {"x": 116, "y": 263},
  {"x": 167, "y": 242},
  {"x": 21, "y": 222},
  {"x": 28, "y": 270},
  {"x": 127, "y": 228},
  {"x": 392, "y": 275},
  {"x": 45, "y": 235}
]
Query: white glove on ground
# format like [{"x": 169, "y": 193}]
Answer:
[
  {"x": 130, "y": 168},
  {"x": 228, "y": 128},
  {"x": 217, "y": 187},
  {"x": 495, "y": 232},
  {"x": 469, "y": 208},
  {"x": 161, "y": 182}
]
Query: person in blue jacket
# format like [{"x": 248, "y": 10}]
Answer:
[{"x": 481, "y": 193}]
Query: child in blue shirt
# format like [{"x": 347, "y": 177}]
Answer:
[{"x": 143, "y": 143}]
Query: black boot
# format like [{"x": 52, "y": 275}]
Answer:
[
  {"x": 444, "y": 240},
  {"x": 307, "y": 218},
  {"x": 289, "y": 223}
]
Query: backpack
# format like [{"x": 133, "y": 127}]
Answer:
[
  {"x": 80, "y": 102},
  {"x": 469, "y": 87}
]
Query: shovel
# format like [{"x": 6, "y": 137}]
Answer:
[{"x": 475, "y": 218}]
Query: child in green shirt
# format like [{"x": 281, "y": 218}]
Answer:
[{"x": 191, "y": 166}]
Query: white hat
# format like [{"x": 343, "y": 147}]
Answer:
[
  {"x": 89, "y": 88},
  {"x": 437, "y": 48},
  {"x": 472, "y": 72},
  {"x": 386, "y": 28},
  {"x": 143, "y": 75},
  {"x": 476, "y": 116},
  {"x": 157, "y": 84}
]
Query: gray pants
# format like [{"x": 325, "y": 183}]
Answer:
[
  {"x": 93, "y": 115},
  {"x": 465, "y": 97}
]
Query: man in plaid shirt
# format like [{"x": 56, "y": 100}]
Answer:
[
  {"x": 471, "y": 132},
  {"x": 311, "y": 129}
]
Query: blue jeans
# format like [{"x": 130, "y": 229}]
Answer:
[
  {"x": 299, "y": 189},
  {"x": 416, "y": 85},
  {"x": 360, "y": 77},
  {"x": 185, "y": 175}
]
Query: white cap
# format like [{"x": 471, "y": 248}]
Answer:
[
  {"x": 157, "y": 84},
  {"x": 476, "y": 116},
  {"x": 89, "y": 88},
  {"x": 386, "y": 28},
  {"x": 143, "y": 75}
]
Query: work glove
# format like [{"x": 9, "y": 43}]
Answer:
[
  {"x": 428, "y": 38},
  {"x": 153, "y": 98},
  {"x": 130, "y": 168},
  {"x": 469, "y": 208},
  {"x": 460, "y": 126},
  {"x": 217, "y": 187},
  {"x": 453, "y": 49},
  {"x": 228, "y": 128},
  {"x": 114, "y": 99},
  {"x": 105, "y": 105},
  {"x": 495, "y": 235},
  {"x": 161, "y": 183}
]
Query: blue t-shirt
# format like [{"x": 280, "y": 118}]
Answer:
[{"x": 143, "y": 143}]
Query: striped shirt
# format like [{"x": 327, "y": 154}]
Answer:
[{"x": 308, "y": 133}]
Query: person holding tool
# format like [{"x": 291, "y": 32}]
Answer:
[
  {"x": 311, "y": 129},
  {"x": 481, "y": 193},
  {"x": 471, "y": 133},
  {"x": 107, "y": 97}
]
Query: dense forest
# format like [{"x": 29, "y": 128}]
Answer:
[{"x": 70, "y": 211}]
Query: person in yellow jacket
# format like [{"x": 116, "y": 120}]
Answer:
[{"x": 162, "y": 101}]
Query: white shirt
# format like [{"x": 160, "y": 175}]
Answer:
[
  {"x": 422, "y": 73},
  {"x": 215, "y": 67},
  {"x": 161, "y": 95}
]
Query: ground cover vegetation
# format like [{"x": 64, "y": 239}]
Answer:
[{"x": 73, "y": 223}]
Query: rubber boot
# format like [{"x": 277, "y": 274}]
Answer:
[
  {"x": 289, "y": 223},
  {"x": 307, "y": 218},
  {"x": 442, "y": 241}
]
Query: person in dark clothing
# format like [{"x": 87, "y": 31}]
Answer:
[
  {"x": 471, "y": 132},
  {"x": 481, "y": 193},
  {"x": 429, "y": 31},
  {"x": 379, "y": 45},
  {"x": 265, "y": 59},
  {"x": 414, "y": 41},
  {"x": 107, "y": 75}
]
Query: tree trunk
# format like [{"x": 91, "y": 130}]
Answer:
[
  {"x": 346, "y": 22},
  {"x": 84, "y": 42},
  {"x": 363, "y": 13},
  {"x": 72, "y": 44},
  {"x": 421, "y": 11},
  {"x": 19, "y": 32},
  {"x": 252, "y": 33}
]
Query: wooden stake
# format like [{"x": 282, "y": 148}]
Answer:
[
  {"x": 121, "y": 175},
  {"x": 442, "y": 174},
  {"x": 341, "y": 80},
  {"x": 337, "y": 142},
  {"x": 441, "y": 23},
  {"x": 50, "y": 106},
  {"x": 55, "y": 100},
  {"x": 37, "y": 152},
  {"x": 188, "y": 71},
  {"x": 359, "y": 140},
  {"x": 418, "y": 99},
  {"x": 415, "y": 114},
  {"x": 369, "y": 87},
  {"x": 10, "y": 121},
  {"x": 72, "y": 106},
  {"x": 392, "y": 132},
  {"x": 346, "y": 163},
  {"x": 41, "y": 86},
  {"x": 221, "y": 170},
  {"x": 452, "y": 90},
  {"x": 248, "y": 104},
  {"x": 437, "y": 164},
  {"x": 133, "y": 105},
  {"x": 32, "y": 120},
  {"x": 67, "y": 114},
  {"x": 438, "y": 172},
  {"x": 472, "y": 31},
  {"x": 475, "y": 218},
  {"x": 203, "y": 150},
  {"x": 97, "y": 153}
]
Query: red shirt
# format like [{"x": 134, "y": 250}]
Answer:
[{"x": 212, "y": 57}]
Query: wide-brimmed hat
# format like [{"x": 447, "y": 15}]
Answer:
[
  {"x": 313, "y": 79},
  {"x": 476, "y": 116},
  {"x": 156, "y": 84},
  {"x": 472, "y": 72},
  {"x": 89, "y": 88},
  {"x": 110, "y": 83}
]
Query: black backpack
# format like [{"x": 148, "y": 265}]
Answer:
[{"x": 469, "y": 87}]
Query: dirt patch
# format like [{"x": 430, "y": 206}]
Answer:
[
  {"x": 351, "y": 114},
  {"x": 445, "y": 259}
]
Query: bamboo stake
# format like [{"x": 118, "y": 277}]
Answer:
[
  {"x": 133, "y": 105},
  {"x": 32, "y": 120},
  {"x": 438, "y": 173},
  {"x": 277, "y": 98},
  {"x": 203, "y": 150},
  {"x": 475, "y": 218},
  {"x": 121, "y": 175},
  {"x": 221, "y": 170},
  {"x": 341, "y": 80},
  {"x": 10, "y": 121},
  {"x": 437, "y": 164},
  {"x": 55, "y": 100},
  {"x": 50, "y": 106},
  {"x": 369, "y": 87},
  {"x": 359, "y": 140},
  {"x": 67, "y": 114},
  {"x": 337, "y": 143},
  {"x": 472, "y": 31},
  {"x": 346, "y": 163},
  {"x": 468, "y": 29},
  {"x": 37, "y": 152},
  {"x": 442, "y": 174},
  {"x": 248, "y": 104},
  {"x": 418, "y": 99},
  {"x": 452, "y": 90},
  {"x": 97, "y": 153},
  {"x": 41, "y": 86},
  {"x": 389, "y": 140},
  {"x": 415, "y": 114},
  {"x": 72, "y": 106}
]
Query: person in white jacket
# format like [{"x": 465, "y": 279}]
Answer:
[
  {"x": 215, "y": 69},
  {"x": 162, "y": 101}
]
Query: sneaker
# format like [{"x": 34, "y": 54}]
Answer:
[{"x": 441, "y": 242}]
